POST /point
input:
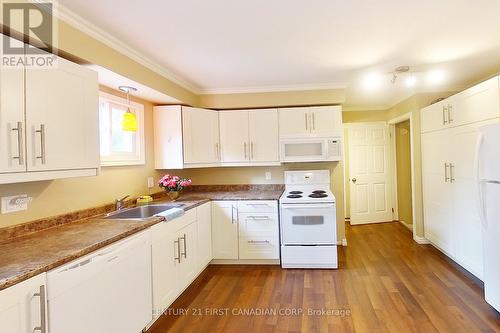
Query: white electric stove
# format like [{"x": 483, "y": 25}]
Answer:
[{"x": 308, "y": 221}]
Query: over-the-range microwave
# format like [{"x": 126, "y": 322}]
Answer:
[{"x": 311, "y": 149}]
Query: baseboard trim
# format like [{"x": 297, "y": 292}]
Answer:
[
  {"x": 245, "y": 262},
  {"x": 420, "y": 240}
]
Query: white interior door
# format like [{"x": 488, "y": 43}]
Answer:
[
  {"x": 263, "y": 131},
  {"x": 235, "y": 146},
  {"x": 370, "y": 173}
]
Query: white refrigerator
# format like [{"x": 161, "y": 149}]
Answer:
[{"x": 488, "y": 181}]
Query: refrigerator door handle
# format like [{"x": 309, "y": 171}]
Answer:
[{"x": 477, "y": 175}]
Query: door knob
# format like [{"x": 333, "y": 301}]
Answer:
[{"x": 354, "y": 180}]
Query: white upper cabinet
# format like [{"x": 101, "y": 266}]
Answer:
[
  {"x": 263, "y": 132},
  {"x": 234, "y": 140},
  {"x": 62, "y": 117},
  {"x": 475, "y": 104},
  {"x": 201, "y": 137},
  {"x": 12, "y": 122},
  {"x": 249, "y": 137},
  {"x": 319, "y": 121},
  {"x": 185, "y": 137},
  {"x": 49, "y": 122}
]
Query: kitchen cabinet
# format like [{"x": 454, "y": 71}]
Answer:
[
  {"x": 245, "y": 230},
  {"x": 258, "y": 233},
  {"x": 201, "y": 137},
  {"x": 249, "y": 137},
  {"x": 174, "y": 259},
  {"x": 319, "y": 121},
  {"x": 185, "y": 137},
  {"x": 225, "y": 229},
  {"x": 204, "y": 232},
  {"x": 23, "y": 306},
  {"x": 478, "y": 103},
  {"x": 12, "y": 120},
  {"x": 39, "y": 106},
  {"x": 449, "y": 139},
  {"x": 108, "y": 290}
]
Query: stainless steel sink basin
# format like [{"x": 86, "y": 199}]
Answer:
[{"x": 141, "y": 212}]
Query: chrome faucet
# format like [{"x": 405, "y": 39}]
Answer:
[{"x": 120, "y": 203}]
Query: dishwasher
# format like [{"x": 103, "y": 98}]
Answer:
[{"x": 106, "y": 291}]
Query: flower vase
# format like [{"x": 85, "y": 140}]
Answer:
[{"x": 173, "y": 195}]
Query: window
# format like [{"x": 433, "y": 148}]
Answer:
[{"x": 119, "y": 147}]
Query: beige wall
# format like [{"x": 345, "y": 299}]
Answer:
[
  {"x": 66, "y": 195},
  {"x": 403, "y": 171}
]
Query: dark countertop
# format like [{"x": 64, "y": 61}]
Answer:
[{"x": 27, "y": 256}]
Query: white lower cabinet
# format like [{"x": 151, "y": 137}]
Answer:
[
  {"x": 204, "y": 232},
  {"x": 23, "y": 306},
  {"x": 245, "y": 230},
  {"x": 106, "y": 291}
]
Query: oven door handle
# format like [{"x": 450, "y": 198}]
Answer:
[{"x": 296, "y": 206}]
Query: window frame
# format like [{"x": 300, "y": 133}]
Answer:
[{"x": 139, "y": 158}]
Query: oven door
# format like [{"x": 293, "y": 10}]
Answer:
[{"x": 308, "y": 224}]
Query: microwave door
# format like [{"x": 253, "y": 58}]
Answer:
[{"x": 303, "y": 150}]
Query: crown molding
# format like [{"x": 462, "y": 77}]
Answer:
[
  {"x": 92, "y": 30},
  {"x": 272, "y": 89}
]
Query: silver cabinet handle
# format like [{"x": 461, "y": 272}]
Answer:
[
  {"x": 446, "y": 177},
  {"x": 185, "y": 250},
  {"x": 245, "y": 149},
  {"x": 313, "y": 121},
  {"x": 258, "y": 218},
  {"x": 251, "y": 150},
  {"x": 259, "y": 242},
  {"x": 450, "y": 113},
  {"x": 20, "y": 146},
  {"x": 43, "y": 325},
  {"x": 305, "y": 115},
  {"x": 452, "y": 173},
  {"x": 445, "y": 111},
  {"x": 233, "y": 220},
  {"x": 216, "y": 151},
  {"x": 178, "y": 242},
  {"x": 42, "y": 143}
]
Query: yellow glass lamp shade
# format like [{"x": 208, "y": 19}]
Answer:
[{"x": 129, "y": 122}]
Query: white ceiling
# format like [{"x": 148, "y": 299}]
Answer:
[{"x": 260, "y": 45}]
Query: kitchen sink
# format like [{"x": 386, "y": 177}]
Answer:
[{"x": 141, "y": 212}]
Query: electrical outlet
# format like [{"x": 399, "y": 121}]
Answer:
[
  {"x": 151, "y": 182},
  {"x": 15, "y": 203},
  {"x": 268, "y": 175}
]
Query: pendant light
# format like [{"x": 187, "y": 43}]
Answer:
[{"x": 129, "y": 121}]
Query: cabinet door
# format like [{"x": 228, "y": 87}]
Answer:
[
  {"x": 478, "y": 103},
  {"x": 264, "y": 138},
  {"x": 258, "y": 236},
  {"x": 326, "y": 121},
  {"x": 200, "y": 135},
  {"x": 62, "y": 117},
  {"x": 204, "y": 224},
  {"x": 189, "y": 261},
  {"x": 21, "y": 306},
  {"x": 294, "y": 122},
  {"x": 467, "y": 229},
  {"x": 435, "y": 116},
  {"x": 166, "y": 259},
  {"x": 12, "y": 125},
  {"x": 438, "y": 205},
  {"x": 225, "y": 230},
  {"x": 235, "y": 146}
]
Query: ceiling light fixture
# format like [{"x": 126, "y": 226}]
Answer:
[
  {"x": 372, "y": 81},
  {"x": 435, "y": 76},
  {"x": 411, "y": 81},
  {"x": 397, "y": 71},
  {"x": 129, "y": 121}
]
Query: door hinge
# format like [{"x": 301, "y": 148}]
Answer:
[{"x": 392, "y": 210}]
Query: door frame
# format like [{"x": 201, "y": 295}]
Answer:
[
  {"x": 347, "y": 176},
  {"x": 392, "y": 123}
]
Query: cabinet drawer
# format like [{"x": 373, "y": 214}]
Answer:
[
  {"x": 258, "y": 223},
  {"x": 267, "y": 206},
  {"x": 259, "y": 247}
]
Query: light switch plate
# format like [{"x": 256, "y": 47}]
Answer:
[
  {"x": 151, "y": 182},
  {"x": 268, "y": 175},
  {"x": 15, "y": 203}
]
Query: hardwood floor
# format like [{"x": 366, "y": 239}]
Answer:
[{"x": 386, "y": 283}]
